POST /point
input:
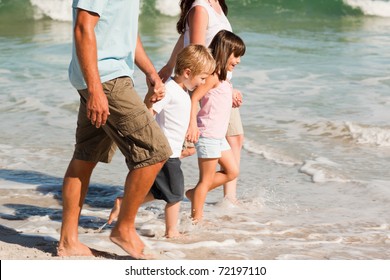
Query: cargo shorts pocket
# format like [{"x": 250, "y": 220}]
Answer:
[{"x": 137, "y": 134}]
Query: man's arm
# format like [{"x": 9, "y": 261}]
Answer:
[
  {"x": 86, "y": 48},
  {"x": 152, "y": 78}
]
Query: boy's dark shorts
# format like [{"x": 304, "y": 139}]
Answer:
[
  {"x": 130, "y": 126},
  {"x": 169, "y": 183}
]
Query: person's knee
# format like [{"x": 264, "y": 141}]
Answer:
[
  {"x": 80, "y": 168},
  {"x": 232, "y": 174}
]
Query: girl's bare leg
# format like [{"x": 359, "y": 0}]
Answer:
[
  {"x": 198, "y": 194},
  {"x": 229, "y": 169}
]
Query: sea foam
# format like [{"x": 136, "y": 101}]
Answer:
[
  {"x": 374, "y": 135},
  {"x": 61, "y": 10},
  {"x": 55, "y": 9},
  {"x": 371, "y": 8}
]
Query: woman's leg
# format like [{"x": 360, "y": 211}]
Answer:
[{"x": 230, "y": 188}]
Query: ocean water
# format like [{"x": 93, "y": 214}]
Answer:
[{"x": 315, "y": 180}]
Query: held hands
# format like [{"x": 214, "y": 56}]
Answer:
[
  {"x": 97, "y": 108},
  {"x": 193, "y": 133},
  {"x": 237, "y": 98},
  {"x": 156, "y": 88}
]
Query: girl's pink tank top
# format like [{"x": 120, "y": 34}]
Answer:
[{"x": 215, "y": 106}]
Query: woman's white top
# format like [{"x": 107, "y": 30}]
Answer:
[{"x": 216, "y": 23}]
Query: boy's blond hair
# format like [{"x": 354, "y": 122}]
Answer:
[{"x": 197, "y": 58}]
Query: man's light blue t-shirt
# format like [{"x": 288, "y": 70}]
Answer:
[{"x": 116, "y": 36}]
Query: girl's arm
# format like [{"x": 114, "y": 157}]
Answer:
[{"x": 192, "y": 134}]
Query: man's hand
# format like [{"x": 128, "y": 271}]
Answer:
[
  {"x": 97, "y": 108},
  {"x": 156, "y": 86}
]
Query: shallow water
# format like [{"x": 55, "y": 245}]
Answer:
[{"x": 314, "y": 180}]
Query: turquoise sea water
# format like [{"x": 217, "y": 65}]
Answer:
[{"x": 314, "y": 180}]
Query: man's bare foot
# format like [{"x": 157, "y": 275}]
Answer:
[
  {"x": 78, "y": 249},
  {"x": 115, "y": 210},
  {"x": 130, "y": 243}
]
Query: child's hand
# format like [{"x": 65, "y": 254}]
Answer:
[
  {"x": 187, "y": 150},
  {"x": 192, "y": 134},
  {"x": 149, "y": 97},
  {"x": 237, "y": 98}
]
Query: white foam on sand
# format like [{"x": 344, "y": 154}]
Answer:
[{"x": 196, "y": 245}]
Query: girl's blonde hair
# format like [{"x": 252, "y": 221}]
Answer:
[
  {"x": 197, "y": 58},
  {"x": 222, "y": 46}
]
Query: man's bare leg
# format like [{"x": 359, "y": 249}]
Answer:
[
  {"x": 74, "y": 190},
  {"x": 137, "y": 186}
]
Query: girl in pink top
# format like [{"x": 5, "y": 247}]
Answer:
[{"x": 208, "y": 126}]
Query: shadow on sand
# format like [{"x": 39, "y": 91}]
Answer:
[{"x": 99, "y": 196}]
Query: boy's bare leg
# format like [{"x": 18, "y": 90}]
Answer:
[
  {"x": 137, "y": 186},
  {"x": 74, "y": 190},
  {"x": 115, "y": 210},
  {"x": 117, "y": 206},
  {"x": 171, "y": 218}
]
